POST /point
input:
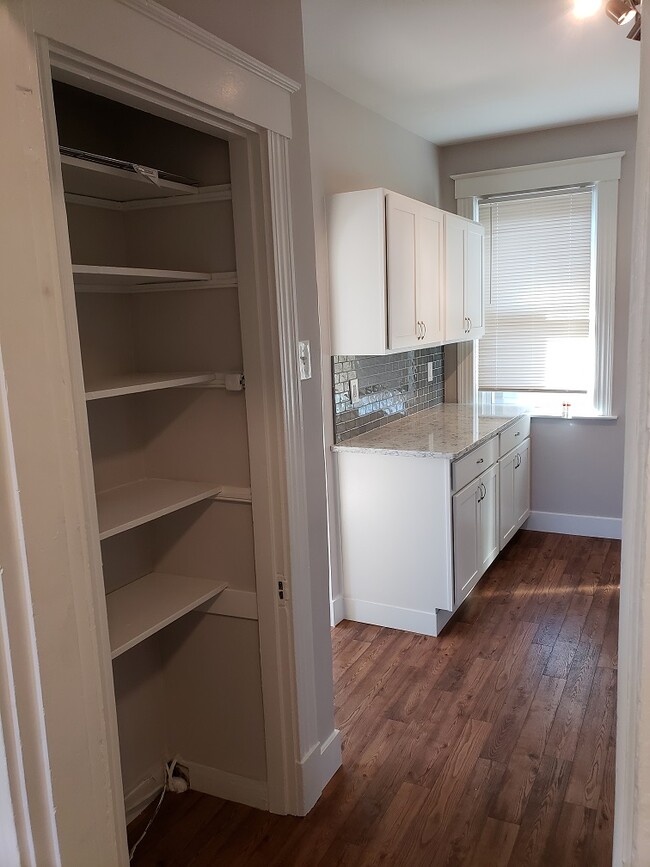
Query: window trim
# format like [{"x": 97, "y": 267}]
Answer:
[{"x": 604, "y": 172}]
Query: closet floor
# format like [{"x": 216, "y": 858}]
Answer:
[{"x": 491, "y": 746}]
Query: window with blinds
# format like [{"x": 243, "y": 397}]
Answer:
[{"x": 539, "y": 328}]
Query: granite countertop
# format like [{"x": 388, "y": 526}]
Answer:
[{"x": 449, "y": 430}]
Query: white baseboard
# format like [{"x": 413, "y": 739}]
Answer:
[
  {"x": 410, "y": 619},
  {"x": 143, "y": 793},
  {"x": 575, "y": 525},
  {"x": 337, "y": 610},
  {"x": 230, "y": 787},
  {"x": 316, "y": 770}
]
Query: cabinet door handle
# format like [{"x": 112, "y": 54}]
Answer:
[
  {"x": 484, "y": 490},
  {"x": 465, "y": 322},
  {"x": 424, "y": 325},
  {"x": 469, "y": 324},
  {"x": 518, "y": 433}
]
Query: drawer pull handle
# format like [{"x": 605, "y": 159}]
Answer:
[
  {"x": 518, "y": 433},
  {"x": 480, "y": 461}
]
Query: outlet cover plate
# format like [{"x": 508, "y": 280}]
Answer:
[{"x": 354, "y": 390}]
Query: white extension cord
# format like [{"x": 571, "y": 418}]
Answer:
[{"x": 172, "y": 784}]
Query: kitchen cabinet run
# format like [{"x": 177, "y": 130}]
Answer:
[
  {"x": 422, "y": 514},
  {"x": 396, "y": 266}
]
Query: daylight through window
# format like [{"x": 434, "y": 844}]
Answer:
[{"x": 539, "y": 295}]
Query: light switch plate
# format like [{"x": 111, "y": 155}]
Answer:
[
  {"x": 304, "y": 359},
  {"x": 354, "y": 390},
  {"x": 430, "y": 371}
]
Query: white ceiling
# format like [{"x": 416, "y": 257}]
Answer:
[{"x": 452, "y": 70}]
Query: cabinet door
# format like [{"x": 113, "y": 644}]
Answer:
[
  {"x": 507, "y": 523},
  {"x": 521, "y": 473},
  {"x": 401, "y": 271},
  {"x": 466, "y": 537},
  {"x": 430, "y": 275},
  {"x": 474, "y": 276},
  {"x": 488, "y": 518},
  {"x": 455, "y": 236}
]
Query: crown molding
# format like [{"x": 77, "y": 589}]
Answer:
[{"x": 205, "y": 39}]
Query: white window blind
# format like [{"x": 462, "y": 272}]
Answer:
[{"x": 539, "y": 333}]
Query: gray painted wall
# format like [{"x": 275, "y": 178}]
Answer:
[
  {"x": 577, "y": 465},
  {"x": 353, "y": 148}
]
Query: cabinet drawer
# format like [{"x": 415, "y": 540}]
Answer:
[
  {"x": 473, "y": 464},
  {"x": 514, "y": 435}
]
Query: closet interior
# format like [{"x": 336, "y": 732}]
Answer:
[{"x": 154, "y": 254}]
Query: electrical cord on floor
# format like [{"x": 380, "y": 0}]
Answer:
[{"x": 170, "y": 785}]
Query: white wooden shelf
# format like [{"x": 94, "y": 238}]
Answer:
[
  {"x": 108, "y": 278},
  {"x": 229, "y": 494},
  {"x": 135, "y": 383},
  {"x": 85, "y": 178},
  {"x": 144, "y": 607},
  {"x": 127, "y": 506}
]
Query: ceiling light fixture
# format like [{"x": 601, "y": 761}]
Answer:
[
  {"x": 586, "y": 8},
  {"x": 624, "y": 11}
]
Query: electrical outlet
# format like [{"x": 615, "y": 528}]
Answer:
[
  {"x": 354, "y": 390},
  {"x": 430, "y": 371}
]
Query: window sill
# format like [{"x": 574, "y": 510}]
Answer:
[
  {"x": 542, "y": 413},
  {"x": 573, "y": 417}
]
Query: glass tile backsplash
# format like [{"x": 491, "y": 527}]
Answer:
[{"x": 390, "y": 387}]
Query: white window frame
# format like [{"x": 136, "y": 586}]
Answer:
[{"x": 604, "y": 172}]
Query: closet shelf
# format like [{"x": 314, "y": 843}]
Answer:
[
  {"x": 84, "y": 177},
  {"x": 109, "y": 278},
  {"x": 127, "y": 506},
  {"x": 144, "y": 607},
  {"x": 135, "y": 383}
]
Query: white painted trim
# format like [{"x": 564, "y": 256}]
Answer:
[
  {"x": 318, "y": 768},
  {"x": 537, "y": 176},
  {"x": 230, "y": 787},
  {"x": 631, "y": 804},
  {"x": 606, "y": 211},
  {"x": 410, "y": 619},
  {"x": 173, "y": 21},
  {"x": 298, "y": 601},
  {"x": 575, "y": 525},
  {"x": 233, "y": 603},
  {"x": 90, "y": 73},
  {"x": 337, "y": 610}
]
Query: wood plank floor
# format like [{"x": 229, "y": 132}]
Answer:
[{"x": 491, "y": 746}]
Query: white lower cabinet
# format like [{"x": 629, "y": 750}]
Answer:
[
  {"x": 514, "y": 494},
  {"x": 476, "y": 531},
  {"x": 418, "y": 532}
]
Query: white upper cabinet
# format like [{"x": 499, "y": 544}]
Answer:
[
  {"x": 386, "y": 254},
  {"x": 404, "y": 324},
  {"x": 464, "y": 242},
  {"x": 414, "y": 234},
  {"x": 431, "y": 274}
]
